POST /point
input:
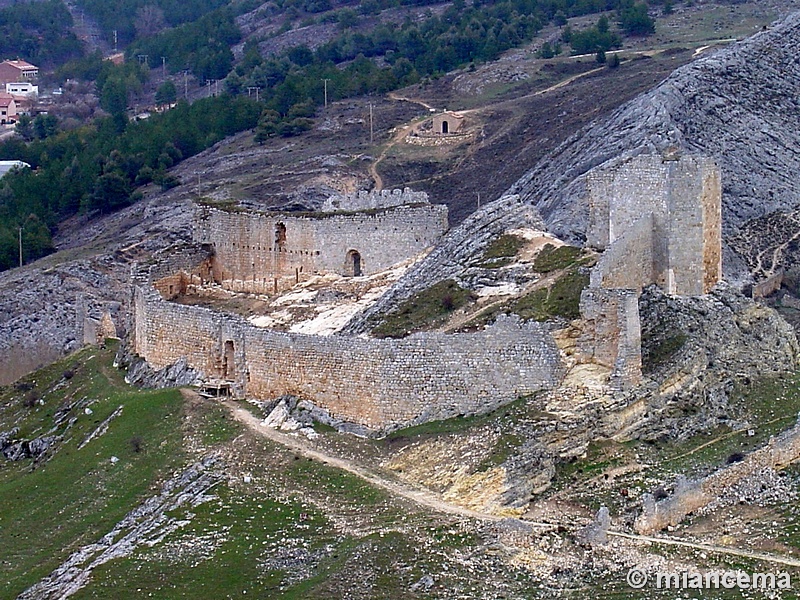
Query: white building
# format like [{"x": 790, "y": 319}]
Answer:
[{"x": 22, "y": 88}]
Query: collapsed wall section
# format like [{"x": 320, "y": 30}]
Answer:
[
  {"x": 267, "y": 253},
  {"x": 378, "y": 384}
]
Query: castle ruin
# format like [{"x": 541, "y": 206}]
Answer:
[
  {"x": 359, "y": 234},
  {"x": 657, "y": 220}
]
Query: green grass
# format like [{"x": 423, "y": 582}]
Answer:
[
  {"x": 562, "y": 299},
  {"x": 551, "y": 258},
  {"x": 501, "y": 251},
  {"x": 50, "y": 508},
  {"x": 424, "y": 311},
  {"x": 506, "y": 446},
  {"x": 224, "y": 551},
  {"x": 456, "y": 424}
]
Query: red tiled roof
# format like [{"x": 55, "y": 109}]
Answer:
[
  {"x": 20, "y": 64},
  {"x": 6, "y": 99}
]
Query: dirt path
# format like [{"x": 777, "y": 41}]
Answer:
[
  {"x": 430, "y": 500},
  {"x": 419, "y": 496}
]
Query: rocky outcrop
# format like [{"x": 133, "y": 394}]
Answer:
[{"x": 694, "y": 347}]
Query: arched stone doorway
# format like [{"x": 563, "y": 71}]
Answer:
[
  {"x": 445, "y": 127},
  {"x": 354, "y": 263},
  {"x": 228, "y": 361}
]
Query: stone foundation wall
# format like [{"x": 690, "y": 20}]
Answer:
[
  {"x": 690, "y": 496},
  {"x": 378, "y": 384},
  {"x": 267, "y": 253}
]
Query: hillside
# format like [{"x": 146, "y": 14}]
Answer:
[{"x": 737, "y": 105}]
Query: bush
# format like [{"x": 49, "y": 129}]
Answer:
[{"x": 137, "y": 444}]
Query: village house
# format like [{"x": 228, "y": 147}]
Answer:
[
  {"x": 24, "y": 89},
  {"x": 12, "y": 71},
  {"x": 8, "y": 109}
]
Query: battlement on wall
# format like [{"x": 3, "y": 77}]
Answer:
[
  {"x": 362, "y": 200},
  {"x": 377, "y": 384},
  {"x": 269, "y": 253}
]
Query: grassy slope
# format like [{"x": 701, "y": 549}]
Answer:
[
  {"x": 49, "y": 509},
  {"x": 300, "y": 529}
]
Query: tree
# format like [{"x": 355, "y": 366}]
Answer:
[
  {"x": 114, "y": 96},
  {"x": 25, "y": 127},
  {"x": 111, "y": 192},
  {"x": 634, "y": 20},
  {"x": 44, "y": 126},
  {"x": 166, "y": 93},
  {"x": 149, "y": 21}
]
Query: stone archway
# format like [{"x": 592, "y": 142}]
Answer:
[
  {"x": 445, "y": 127},
  {"x": 354, "y": 263}
]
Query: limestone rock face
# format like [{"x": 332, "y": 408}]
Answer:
[
  {"x": 738, "y": 105},
  {"x": 699, "y": 343}
]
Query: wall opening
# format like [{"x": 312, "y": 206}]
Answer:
[
  {"x": 353, "y": 263},
  {"x": 445, "y": 127},
  {"x": 228, "y": 361},
  {"x": 280, "y": 237}
]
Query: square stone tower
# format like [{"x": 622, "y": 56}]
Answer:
[{"x": 664, "y": 213}]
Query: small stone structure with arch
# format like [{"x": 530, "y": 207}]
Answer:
[{"x": 447, "y": 122}]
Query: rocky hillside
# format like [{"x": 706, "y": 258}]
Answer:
[{"x": 738, "y": 105}]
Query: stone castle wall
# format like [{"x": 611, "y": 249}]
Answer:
[
  {"x": 692, "y": 495},
  {"x": 271, "y": 252},
  {"x": 682, "y": 196},
  {"x": 378, "y": 384},
  {"x": 612, "y": 333}
]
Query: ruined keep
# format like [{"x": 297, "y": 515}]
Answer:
[
  {"x": 658, "y": 220},
  {"x": 362, "y": 235}
]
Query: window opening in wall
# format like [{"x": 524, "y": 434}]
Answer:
[
  {"x": 280, "y": 237},
  {"x": 228, "y": 361},
  {"x": 445, "y": 127}
]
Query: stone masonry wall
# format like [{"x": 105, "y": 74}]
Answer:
[
  {"x": 684, "y": 198},
  {"x": 271, "y": 252},
  {"x": 378, "y": 384},
  {"x": 690, "y": 496},
  {"x": 362, "y": 200},
  {"x": 628, "y": 262},
  {"x": 612, "y": 333}
]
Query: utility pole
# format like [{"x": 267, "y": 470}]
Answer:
[
  {"x": 186, "y": 84},
  {"x": 479, "y": 199},
  {"x": 164, "y": 66},
  {"x": 250, "y": 90},
  {"x": 216, "y": 87},
  {"x": 115, "y": 36},
  {"x": 20, "y": 245},
  {"x": 325, "y": 83},
  {"x": 208, "y": 85},
  {"x": 371, "y": 132}
]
